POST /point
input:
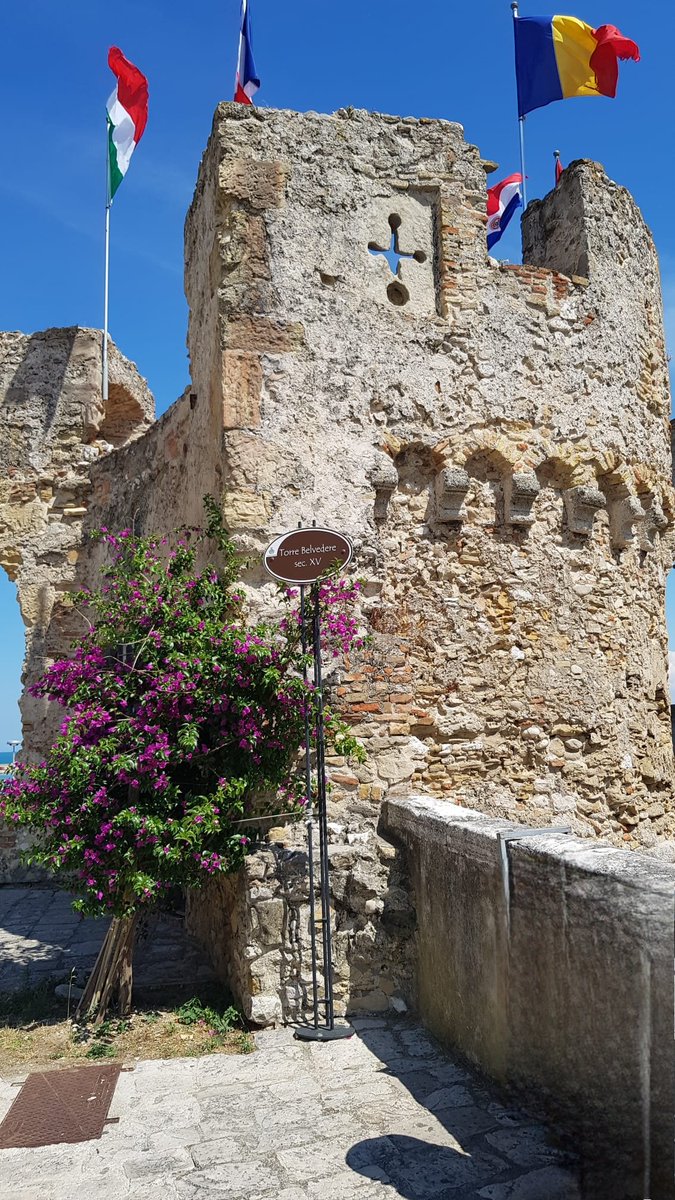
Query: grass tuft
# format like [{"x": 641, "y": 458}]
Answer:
[{"x": 34, "y": 1031}]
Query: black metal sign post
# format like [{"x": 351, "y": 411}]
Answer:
[
  {"x": 303, "y": 557},
  {"x": 309, "y": 801}
]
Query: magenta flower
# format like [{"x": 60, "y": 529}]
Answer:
[{"x": 175, "y": 702}]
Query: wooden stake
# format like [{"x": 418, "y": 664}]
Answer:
[{"x": 112, "y": 972}]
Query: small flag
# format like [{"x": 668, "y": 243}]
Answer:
[
  {"x": 561, "y": 57},
  {"x": 247, "y": 83},
  {"x": 127, "y": 115},
  {"x": 502, "y": 201},
  {"x": 558, "y": 167}
]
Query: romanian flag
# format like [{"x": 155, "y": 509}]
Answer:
[
  {"x": 127, "y": 115},
  {"x": 561, "y": 57}
]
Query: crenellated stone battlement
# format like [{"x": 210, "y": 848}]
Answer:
[{"x": 637, "y": 504}]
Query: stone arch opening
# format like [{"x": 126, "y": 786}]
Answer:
[
  {"x": 416, "y": 465},
  {"x": 12, "y": 655},
  {"x": 124, "y": 417},
  {"x": 556, "y": 474},
  {"x": 556, "y": 477},
  {"x": 487, "y": 470}
]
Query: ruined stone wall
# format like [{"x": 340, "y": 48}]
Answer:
[
  {"x": 54, "y": 427},
  {"x": 256, "y": 925}
]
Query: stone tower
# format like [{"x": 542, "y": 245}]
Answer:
[
  {"x": 493, "y": 437},
  {"x": 495, "y": 440}
]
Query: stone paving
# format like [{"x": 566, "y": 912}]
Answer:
[
  {"x": 381, "y": 1115},
  {"x": 42, "y": 938}
]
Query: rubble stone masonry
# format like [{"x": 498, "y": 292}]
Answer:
[{"x": 495, "y": 440}]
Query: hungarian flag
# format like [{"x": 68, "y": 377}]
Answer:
[
  {"x": 247, "y": 82},
  {"x": 127, "y": 115},
  {"x": 502, "y": 201}
]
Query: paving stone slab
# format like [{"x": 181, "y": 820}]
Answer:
[
  {"x": 237, "y": 1181},
  {"x": 276, "y": 1125},
  {"x": 158, "y": 1162},
  {"x": 42, "y": 937},
  {"x": 550, "y": 1183}
]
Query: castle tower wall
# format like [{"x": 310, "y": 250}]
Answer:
[{"x": 493, "y": 437}]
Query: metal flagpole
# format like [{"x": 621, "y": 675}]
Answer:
[
  {"x": 521, "y": 120},
  {"x": 242, "y": 16},
  {"x": 106, "y": 284}
]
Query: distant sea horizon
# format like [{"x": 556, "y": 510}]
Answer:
[{"x": 5, "y": 756}]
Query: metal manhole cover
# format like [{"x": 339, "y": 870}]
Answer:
[{"x": 60, "y": 1106}]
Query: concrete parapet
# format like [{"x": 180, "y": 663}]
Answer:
[{"x": 549, "y": 963}]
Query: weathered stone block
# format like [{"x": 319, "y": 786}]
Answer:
[
  {"x": 451, "y": 487},
  {"x": 520, "y": 493},
  {"x": 384, "y": 478},
  {"x": 260, "y": 184},
  {"x": 581, "y": 505},
  {"x": 655, "y": 523},
  {"x": 237, "y": 388},
  {"x": 269, "y": 921},
  {"x": 624, "y": 515},
  {"x": 259, "y": 334},
  {"x": 265, "y": 1010}
]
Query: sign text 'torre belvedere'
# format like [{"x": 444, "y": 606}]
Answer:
[{"x": 305, "y": 555}]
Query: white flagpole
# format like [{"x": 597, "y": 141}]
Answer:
[
  {"x": 106, "y": 283},
  {"x": 521, "y": 120}
]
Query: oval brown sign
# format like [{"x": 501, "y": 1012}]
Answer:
[{"x": 306, "y": 555}]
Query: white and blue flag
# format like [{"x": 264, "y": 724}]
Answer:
[
  {"x": 503, "y": 200},
  {"x": 248, "y": 81}
]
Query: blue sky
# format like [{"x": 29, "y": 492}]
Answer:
[{"x": 439, "y": 59}]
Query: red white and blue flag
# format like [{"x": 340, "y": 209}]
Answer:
[
  {"x": 247, "y": 83},
  {"x": 502, "y": 201}
]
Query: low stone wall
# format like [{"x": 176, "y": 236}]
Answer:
[
  {"x": 255, "y": 925},
  {"x": 557, "y": 979}
]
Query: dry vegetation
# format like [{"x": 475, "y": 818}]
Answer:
[{"x": 35, "y": 1034}]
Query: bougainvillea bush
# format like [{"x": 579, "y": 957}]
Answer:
[{"x": 184, "y": 722}]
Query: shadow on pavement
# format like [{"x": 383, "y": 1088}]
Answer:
[{"x": 462, "y": 1143}]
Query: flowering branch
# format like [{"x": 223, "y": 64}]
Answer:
[{"x": 161, "y": 764}]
